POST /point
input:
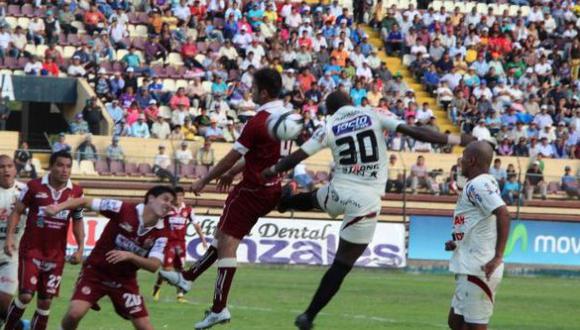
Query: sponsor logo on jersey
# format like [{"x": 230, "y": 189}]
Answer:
[
  {"x": 362, "y": 170},
  {"x": 352, "y": 125},
  {"x": 86, "y": 290},
  {"x": 41, "y": 195},
  {"x": 126, "y": 226},
  {"x": 125, "y": 244},
  {"x": 111, "y": 205}
]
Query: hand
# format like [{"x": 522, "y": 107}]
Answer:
[
  {"x": 9, "y": 246},
  {"x": 268, "y": 173},
  {"x": 204, "y": 244},
  {"x": 51, "y": 210},
  {"x": 76, "y": 257},
  {"x": 450, "y": 246},
  {"x": 491, "y": 266},
  {"x": 116, "y": 256},
  {"x": 225, "y": 182},
  {"x": 197, "y": 187}
]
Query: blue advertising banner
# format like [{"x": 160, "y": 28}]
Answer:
[{"x": 530, "y": 242}]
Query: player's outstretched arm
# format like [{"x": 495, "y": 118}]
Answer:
[
  {"x": 199, "y": 232},
  {"x": 78, "y": 229},
  {"x": 217, "y": 171},
  {"x": 150, "y": 264},
  {"x": 225, "y": 181},
  {"x": 427, "y": 135},
  {"x": 13, "y": 219},
  {"x": 503, "y": 229},
  {"x": 285, "y": 163},
  {"x": 69, "y": 204}
]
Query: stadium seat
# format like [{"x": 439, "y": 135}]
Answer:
[
  {"x": 502, "y": 7},
  {"x": 80, "y": 27},
  {"x": 120, "y": 53},
  {"x": 10, "y": 63},
  {"x": 553, "y": 187},
  {"x": 187, "y": 171},
  {"x": 145, "y": 170},
  {"x": 40, "y": 49},
  {"x": 13, "y": 10},
  {"x": 131, "y": 169},
  {"x": 12, "y": 22},
  {"x": 174, "y": 59},
  {"x": 24, "y": 22},
  {"x": 169, "y": 85},
  {"x": 481, "y": 8},
  {"x": 102, "y": 167},
  {"x": 68, "y": 51},
  {"x": 117, "y": 168},
  {"x": 165, "y": 111},
  {"x": 37, "y": 166},
  {"x": 513, "y": 11},
  {"x": 181, "y": 83},
  {"x": 525, "y": 10},
  {"x": 18, "y": 73},
  {"x": 27, "y": 10},
  {"x": 87, "y": 167},
  {"x": 6, "y": 71},
  {"x": 449, "y": 5},
  {"x": 436, "y": 5},
  {"x": 75, "y": 169},
  {"x": 200, "y": 171},
  {"x": 31, "y": 48},
  {"x": 141, "y": 31}
]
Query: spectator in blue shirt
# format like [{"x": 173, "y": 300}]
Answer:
[
  {"x": 358, "y": 93},
  {"x": 394, "y": 40},
  {"x": 511, "y": 190},
  {"x": 570, "y": 183}
]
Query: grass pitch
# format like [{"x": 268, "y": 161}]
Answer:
[{"x": 265, "y": 297}]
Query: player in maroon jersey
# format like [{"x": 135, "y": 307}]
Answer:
[
  {"x": 43, "y": 244},
  {"x": 251, "y": 199},
  {"x": 135, "y": 237},
  {"x": 177, "y": 221}
]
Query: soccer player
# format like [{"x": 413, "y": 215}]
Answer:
[
  {"x": 10, "y": 189},
  {"x": 43, "y": 244},
  {"x": 177, "y": 221},
  {"x": 356, "y": 138},
  {"x": 135, "y": 237},
  {"x": 481, "y": 225},
  {"x": 251, "y": 199}
]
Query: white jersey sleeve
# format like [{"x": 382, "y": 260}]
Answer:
[
  {"x": 317, "y": 142},
  {"x": 485, "y": 195},
  {"x": 389, "y": 121}
]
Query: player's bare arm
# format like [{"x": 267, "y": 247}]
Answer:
[
  {"x": 225, "y": 181},
  {"x": 13, "y": 220},
  {"x": 199, "y": 232},
  {"x": 149, "y": 264},
  {"x": 78, "y": 229},
  {"x": 503, "y": 229},
  {"x": 428, "y": 135},
  {"x": 285, "y": 164},
  {"x": 217, "y": 171}
]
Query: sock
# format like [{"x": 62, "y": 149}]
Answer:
[
  {"x": 226, "y": 271},
  {"x": 180, "y": 293},
  {"x": 300, "y": 202},
  {"x": 328, "y": 287},
  {"x": 39, "y": 320},
  {"x": 14, "y": 314},
  {"x": 157, "y": 285},
  {"x": 202, "y": 264}
]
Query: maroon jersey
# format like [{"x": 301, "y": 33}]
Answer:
[
  {"x": 177, "y": 221},
  {"x": 45, "y": 237},
  {"x": 260, "y": 150},
  {"x": 125, "y": 231}
]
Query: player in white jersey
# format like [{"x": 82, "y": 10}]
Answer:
[
  {"x": 481, "y": 224},
  {"x": 9, "y": 191},
  {"x": 356, "y": 138}
]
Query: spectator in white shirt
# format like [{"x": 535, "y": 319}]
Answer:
[
  {"x": 365, "y": 71},
  {"x": 294, "y": 19},
  {"x": 545, "y": 148},
  {"x": 543, "y": 68},
  {"x": 160, "y": 128},
  {"x": 480, "y": 131},
  {"x": 34, "y": 67},
  {"x": 535, "y": 15},
  {"x": 543, "y": 119},
  {"x": 242, "y": 39},
  {"x": 181, "y": 11},
  {"x": 76, "y": 69},
  {"x": 424, "y": 114},
  {"x": 5, "y": 40},
  {"x": 547, "y": 133},
  {"x": 184, "y": 155},
  {"x": 482, "y": 90}
]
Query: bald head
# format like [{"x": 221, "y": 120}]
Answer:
[{"x": 476, "y": 159}]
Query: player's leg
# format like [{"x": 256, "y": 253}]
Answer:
[
  {"x": 27, "y": 285},
  {"x": 178, "y": 263},
  {"x": 5, "y": 300},
  {"x": 39, "y": 320},
  {"x": 209, "y": 258},
  {"x": 77, "y": 309},
  {"x": 142, "y": 323},
  {"x": 300, "y": 202},
  {"x": 346, "y": 256},
  {"x": 167, "y": 267},
  {"x": 8, "y": 286},
  {"x": 48, "y": 287}
]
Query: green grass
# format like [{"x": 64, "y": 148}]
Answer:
[{"x": 270, "y": 297}]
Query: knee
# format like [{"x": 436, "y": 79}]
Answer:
[
  {"x": 25, "y": 298},
  {"x": 44, "y": 303}
]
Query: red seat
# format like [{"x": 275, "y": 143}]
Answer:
[
  {"x": 145, "y": 170},
  {"x": 117, "y": 168},
  {"x": 187, "y": 171},
  {"x": 27, "y": 10},
  {"x": 102, "y": 167},
  {"x": 13, "y": 10},
  {"x": 201, "y": 171},
  {"x": 131, "y": 169}
]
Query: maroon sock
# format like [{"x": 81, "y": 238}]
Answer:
[
  {"x": 201, "y": 265},
  {"x": 39, "y": 320},
  {"x": 14, "y": 314},
  {"x": 226, "y": 271}
]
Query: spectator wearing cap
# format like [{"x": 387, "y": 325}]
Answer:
[
  {"x": 131, "y": 60},
  {"x": 231, "y": 133},
  {"x": 93, "y": 20},
  {"x": 139, "y": 128},
  {"x": 213, "y": 132},
  {"x": 79, "y": 125},
  {"x": 76, "y": 69},
  {"x": 535, "y": 181},
  {"x": 183, "y": 156},
  {"x": 86, "y": 150},
  {"x": 160, "y": 128},
  {"x": 51, "y": 27},
  {"x": 481, "y": 132},
  {"x": 242, "y": 40},
  {"x": 545, "y": 148},
  {"x": 179, "y": 98},
  {"x": 151, "y": 112},
  {"x": 60, "y": 144},
  {"x": 569, "y": 183}
]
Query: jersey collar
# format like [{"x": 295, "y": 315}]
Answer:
[
  {"x": 142, "y": 230},
  {"x": 272, "y": 107},
  {"x": 45, "y": 181}
]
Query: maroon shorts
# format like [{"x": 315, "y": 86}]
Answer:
[
  {"x": 244, "y": 206},
  {"x": 91, "y": 286},
  {"x": 39, "y": 276},
  {"x": 174, "y": 255}
]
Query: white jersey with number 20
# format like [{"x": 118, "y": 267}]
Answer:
[{"x": 357, "y": 140}]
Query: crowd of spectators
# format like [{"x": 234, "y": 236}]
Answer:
[{"x": 513, "y": 78}]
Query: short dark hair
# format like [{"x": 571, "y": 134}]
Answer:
[
  {"x": 179, "y": 190},
  {"x": 269, "y": 80},
  {"x": 159, "y": 190},
  {"x": 57, "y": 155},
  {"x": 337, "y": 100}
]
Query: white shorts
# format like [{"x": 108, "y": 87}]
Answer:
[
  {"x": 474, "y": 297},
  {"x": 360, "y": 209},
  {"x": 9, "y": 276}
]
